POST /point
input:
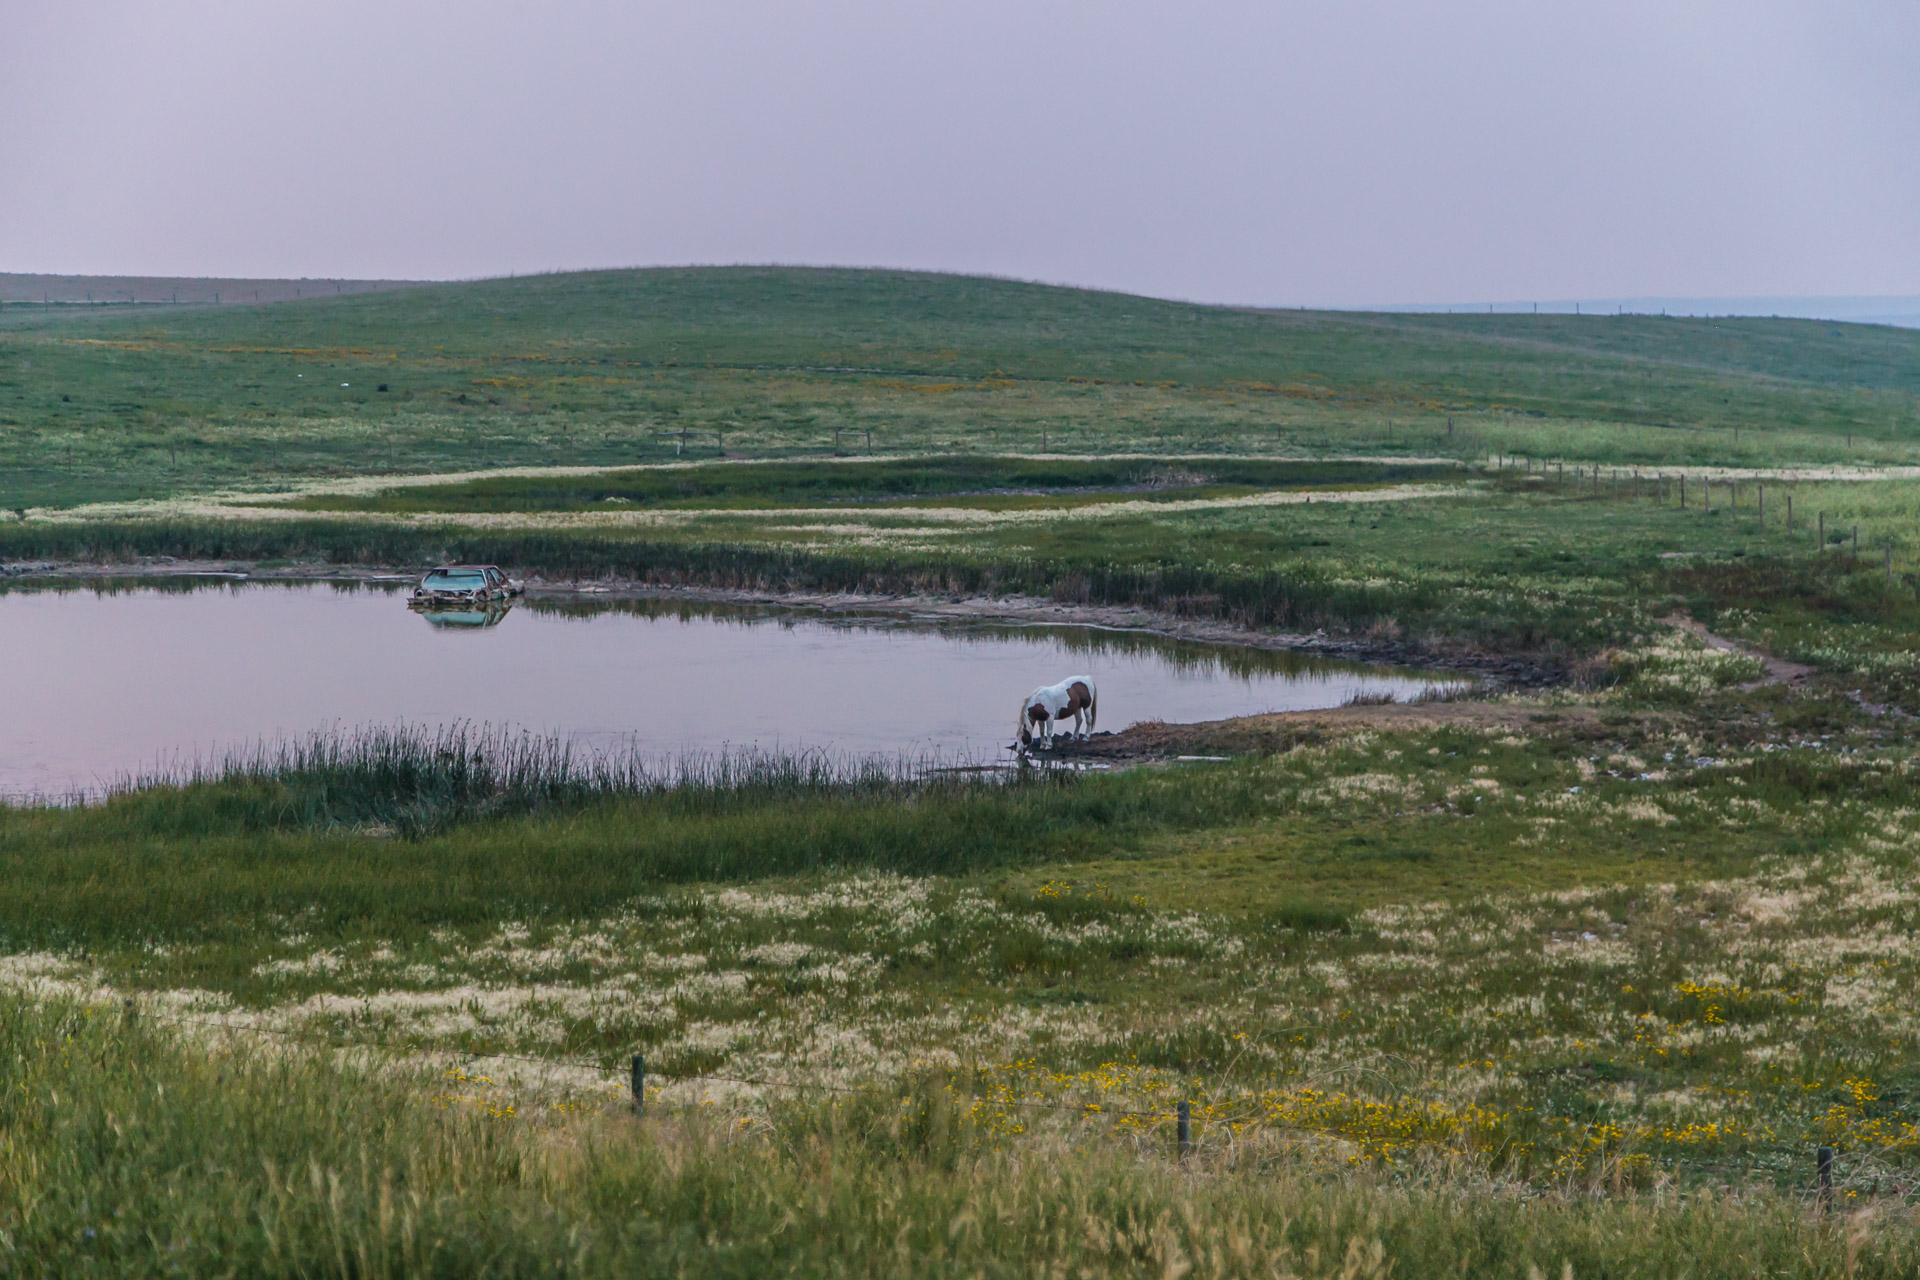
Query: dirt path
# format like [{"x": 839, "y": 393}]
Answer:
[
  {"x": 884, "y": 522},
  {"x": 1778, "y": 670}
]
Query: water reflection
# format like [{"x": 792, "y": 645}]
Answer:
[
  {"x": 106, "y": 678},
  {"x": 438, "y": 615}
]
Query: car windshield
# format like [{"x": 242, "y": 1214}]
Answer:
[{"x": 454, "y": 580}]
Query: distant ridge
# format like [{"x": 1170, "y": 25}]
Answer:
[
  {"x": 1899, "y": 310},
  {"x": 178, "y": 290}
]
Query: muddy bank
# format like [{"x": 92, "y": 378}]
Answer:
[
  {"x": 1499, "y": 671},
  {"x": 1153, "y": 740}
]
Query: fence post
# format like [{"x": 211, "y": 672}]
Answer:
[
  {"x": 1761, "y": 506},
  {"x": 1823, "y": 533},
  {"x": 639, "y": 1084},
  {"x": 1823, "y": 1175},
  {"x": 1184, "y": 1130},
  {"x": 1789, "y": 513},
  {"x": 1683, "y": 491},
  {"x": 1889, "y": 564}
]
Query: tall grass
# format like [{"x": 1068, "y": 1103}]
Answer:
[
  {"x": 419, "y": 779},
  {"x": 130, "y": 1150},
  {"x": 217, "y": 849}
]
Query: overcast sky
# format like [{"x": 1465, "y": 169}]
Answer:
[{"x": 1317, "y": 153}]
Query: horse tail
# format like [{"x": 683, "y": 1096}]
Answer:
[{"x": 1093, "y": 705}]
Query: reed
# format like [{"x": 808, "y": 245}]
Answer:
[{"x": 422, "y": 778}]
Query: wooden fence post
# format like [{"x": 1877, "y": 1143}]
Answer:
[
  {"x": 1823, "y": 1176},
  {"x": 1183, "y": 1130},
  {"x": 639, "y": 1084}
]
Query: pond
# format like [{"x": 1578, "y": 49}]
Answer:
[{"x": 112, "y": 680}]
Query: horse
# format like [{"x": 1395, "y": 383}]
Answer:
[{"x": 1075, "y": 696}]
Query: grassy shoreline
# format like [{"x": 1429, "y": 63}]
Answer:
[
  {"x": 1574, "y": 950},
  {"x": 1575, "y": 979}
]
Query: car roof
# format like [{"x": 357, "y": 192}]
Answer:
[{"x": 464, "y": 568}]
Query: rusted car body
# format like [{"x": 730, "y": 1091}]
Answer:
[{"x": 463, "y": 586}]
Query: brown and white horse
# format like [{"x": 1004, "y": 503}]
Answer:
[{"x": 1075, "y": 696}]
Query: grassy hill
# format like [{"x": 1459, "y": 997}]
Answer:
[{"x": 627, "y": 366}]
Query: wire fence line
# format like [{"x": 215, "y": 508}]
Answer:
[
  {"x": 1178, "y": 1113},
  {"x": 1239, "y": 1123}
]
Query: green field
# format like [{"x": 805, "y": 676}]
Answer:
[
  {"x": 1574, "y": 977},
  {"x": 620, "y": 367}
]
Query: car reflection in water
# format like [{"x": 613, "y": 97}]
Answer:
[
  {"x": 464, "y": 596},
  {"x": 453, "y": 618}
]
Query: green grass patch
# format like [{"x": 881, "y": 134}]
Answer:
[
  {"x": 609, "y": 368},
  {"x": 784, "y": 484}
]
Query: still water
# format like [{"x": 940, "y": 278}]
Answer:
[{"x": 102, "y": 682}]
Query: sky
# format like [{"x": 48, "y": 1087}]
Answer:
[{"x": 1276, "y": 153}]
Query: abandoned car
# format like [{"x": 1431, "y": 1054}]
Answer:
[{"x": 463, "y": 584}]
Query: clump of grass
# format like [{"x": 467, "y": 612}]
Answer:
[{"x": 1681, "y": 669}]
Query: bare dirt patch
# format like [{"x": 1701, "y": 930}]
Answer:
[{"x": 1283, "y": 730}]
